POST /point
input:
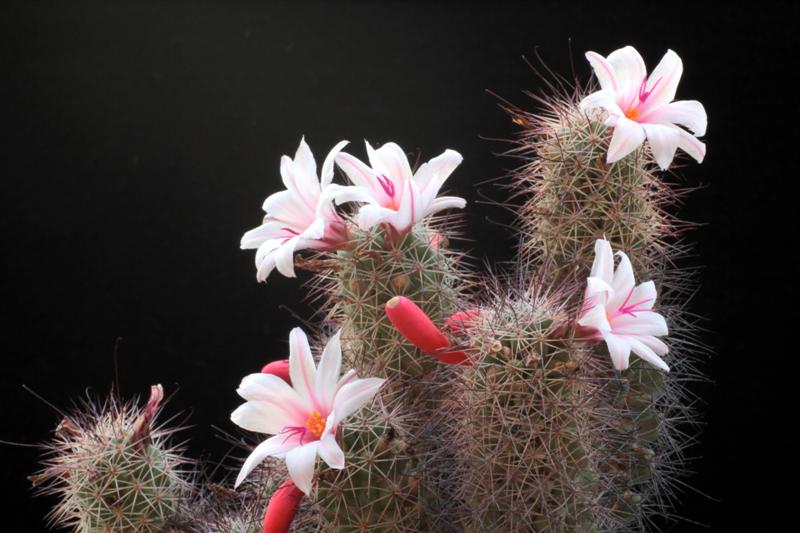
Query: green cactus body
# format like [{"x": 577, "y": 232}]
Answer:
[
  {"x": 575, "y": 198},
  {"x": 113, "y": 472},
  {"x": 387, "y": 484},
  {"x": 527, "y": 425}
]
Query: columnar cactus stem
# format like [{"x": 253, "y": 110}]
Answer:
[
  {"x": 574, "y": 198},
  {"x": 387, "y": 485}
]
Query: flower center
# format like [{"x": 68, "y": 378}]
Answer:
[
  {"x": 316, "y": 424},
  {"x": 388, "y": 188},
  {"x": 632, "y": 113}
]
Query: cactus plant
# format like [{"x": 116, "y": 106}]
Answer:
[
  {"x": 517, "y": 406},
  {"x": 113, "y": 470}
]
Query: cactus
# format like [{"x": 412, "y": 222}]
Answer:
[
  {"x": 574, "y": 197},
  {"x": 389, "y": 484},
  {"x": 113, "y": 470},
  {"x": 526, "y": 402},
  {"x": 515, "y": 420}
]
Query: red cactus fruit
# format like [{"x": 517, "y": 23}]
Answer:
[
  {"x": 419, "y": 330},
  {"x": 281, "y": 508},
  {"x": 278, "y": 368}
]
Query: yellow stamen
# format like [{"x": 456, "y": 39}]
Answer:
[
  {"x": 632, "y": 113},
  {"x": 316, "y": 424}
]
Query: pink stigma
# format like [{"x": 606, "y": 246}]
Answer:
[
  {"x": 388, "y": 186},
  {"x": 644, "y": 95},
  {"x": 291, "y": 431},
  {"x": 626, "y": 309}
]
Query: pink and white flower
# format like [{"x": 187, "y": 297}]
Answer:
[
  {"x": 302, "y": 217},
  {"x": 620, "y": 312},
  {"x": 302, "y": 417},
  {"x": 390, "y": 192},
  {"x": 641, "y": 107}
]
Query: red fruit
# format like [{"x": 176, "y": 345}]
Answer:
[
  {"x": 278, "y": 368},
  {"x": 461, "y": 321},
  {"x": 419, "y": 330},
  {"x": 281, "y": 508}
]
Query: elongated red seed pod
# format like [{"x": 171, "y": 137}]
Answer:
[
  {"x": 419, "y": 330},
  {"x": 281, "y": 508},
  {"x": 278, "y": 368}
]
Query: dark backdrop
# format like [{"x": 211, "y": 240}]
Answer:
[{"x": 139, "y": 140}]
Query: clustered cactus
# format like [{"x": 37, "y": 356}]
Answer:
[
  {"x": 113, "y": 470},
  {"x": 509, "y": 402}
]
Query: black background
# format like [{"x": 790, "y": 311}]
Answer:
[{"x": 139, "y": 140}]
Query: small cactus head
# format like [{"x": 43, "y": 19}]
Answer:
[{"x": 113, "y": 469}]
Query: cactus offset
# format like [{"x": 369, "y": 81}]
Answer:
[{"x": 113, "y": 471}]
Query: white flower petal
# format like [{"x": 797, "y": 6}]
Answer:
[
  {"x": 618, "y": 349},
  {"x": 354, "y": 395},
  {"x": 603, "y": 71},
  {"x": 688, "y": 113},
  {"x": 265, "y": 258},
  {"x": 351, "y": 193},
  {"x": 302, "y": 370},
  {"x": 301, "y": 462},
  {"x": 623, "y": 282},
  {"x": 326, "y": 175},
  {"x": 444, "y": 202},
  {"x": 287, "y": 207},
  {"x": 628, "y": 136},
  {"x": 595, "y": 318},
  {"x": 348, "y": 376},
  {"x": 410, "y": 210},
  {"x": 271, "y": 229},
  {"x": 644, "y": 296},
  {"x": 391, "y": 161},
  {"x": 315, "y": 231},
  {"x": 330, "y": 452},
  {"x": 273, "y": 446},
  {"x": 655, "y": 344},
  {"x": 330, "y": 365},
  {"x": 630, "y": 72},
  {"x": 357, "y": 172},
  {"x": 271, "y": 389},
  {"x": 689, "y": 144},
  {"x": 603, "y": 99},
  {"x": 603, "y": 265},
  {"x": 663, "y": 142},
  {"x": 262, "y": 417},
  {"x": 284, "y": 257},
  {"x": 646, "y": 353},
  {"x": 640, "y": 323},
  {"x": 663, "y": 81},
  {"x": 372, "y": 215},
  {"x": 436, "y": 171},
  {"x": 329, "y": 449},
  {"x": 305, "y": 169}
]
